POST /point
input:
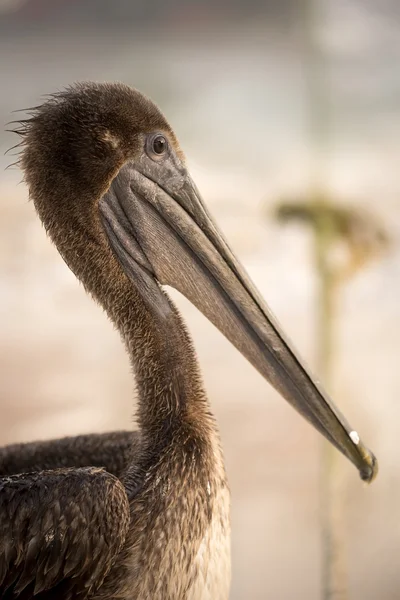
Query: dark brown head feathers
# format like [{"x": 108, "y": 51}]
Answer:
[
  {"x": 80, "y": 137},
  {"x": 73, "y": 145}
]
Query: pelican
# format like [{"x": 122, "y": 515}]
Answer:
[{"x": 110, "y": 185}]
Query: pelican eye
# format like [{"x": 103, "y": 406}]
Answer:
[{"x": 157, "y": 146}]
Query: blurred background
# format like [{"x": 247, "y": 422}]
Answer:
[{"x": 273, "y": 102}]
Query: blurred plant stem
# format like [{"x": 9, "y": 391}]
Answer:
[
  {"x": 334, "y": 564},
  {"x": 331, "y": 226},
  {"x": 321, "y": 216},
  {"x": 361, "y": 235},
  {"x": 334, "y": 574}
]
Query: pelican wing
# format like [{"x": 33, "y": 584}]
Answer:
[
  {"x": 60, "y": 531},
  {"x": 112, "y": 451}
]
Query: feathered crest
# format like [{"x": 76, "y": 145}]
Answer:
[{"x": 22, "y": 127}]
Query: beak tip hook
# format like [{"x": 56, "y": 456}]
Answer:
[{"x": 369, "y": 470}]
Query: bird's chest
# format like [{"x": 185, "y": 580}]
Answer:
[
  {"x": 191, "y": 560},
  {"x": 179, "y": 545},
  {"x": 212, "y": 563}
]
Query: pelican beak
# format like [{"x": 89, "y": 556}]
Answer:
[{"x": 159, "y": 227}]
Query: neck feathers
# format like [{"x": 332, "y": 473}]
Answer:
[{"x": 168, "y": 380}]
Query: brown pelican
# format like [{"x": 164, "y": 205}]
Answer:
[{"x": 109, "y": 182}]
